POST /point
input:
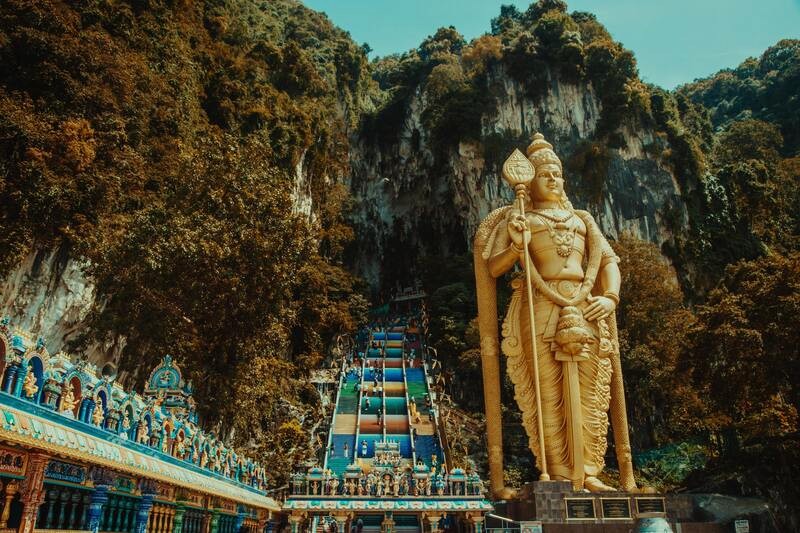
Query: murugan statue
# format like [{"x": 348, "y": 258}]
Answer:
[{"x": 559, "y": 333}]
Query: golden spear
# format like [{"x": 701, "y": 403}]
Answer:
[{"x": 518, "y": 173}]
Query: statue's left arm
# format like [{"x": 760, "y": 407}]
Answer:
[{"x": 609, "y": 280}]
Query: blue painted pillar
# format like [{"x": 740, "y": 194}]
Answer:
[
  {"x": 21, "y": 373},
  {"x": 11, "y": 376},
  {"x": 143, "y": 513},
  {"x": 237, "y": 525},
  {"x": 214, "y": 521},
  {"x": 99, "y": 499}
]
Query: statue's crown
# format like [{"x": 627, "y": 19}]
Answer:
[{"x": 540, "y": 152}]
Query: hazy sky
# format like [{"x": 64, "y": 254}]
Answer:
[{"x": 675, "y": 41}]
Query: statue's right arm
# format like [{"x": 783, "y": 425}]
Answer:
[{"x": 503, "y": 254}]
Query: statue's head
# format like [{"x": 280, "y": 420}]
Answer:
[{"x": 548, "y": 184}]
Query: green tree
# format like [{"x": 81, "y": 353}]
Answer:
[
  {"x": 743, "y": 351},
  {"x": 653, "y": 323}
]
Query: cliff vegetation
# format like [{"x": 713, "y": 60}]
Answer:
[{"x": 161, "y": 143}]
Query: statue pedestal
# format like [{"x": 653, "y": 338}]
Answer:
[
  {"x": 554, "y": 502},
  {"x": 539, "y": 500}
]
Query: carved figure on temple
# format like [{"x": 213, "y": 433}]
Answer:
[
  {"x": 180, "y": 448},
  {"x": 396, "y": 485},
  {"x": 68, "y": 401},
  {"x": 349, "y": 487},
  {"x": 404, "y": 485},
  {"x": 126, "y": 422},
  {"x": 387, "y": 484},
  {"x": 203, "y": 459},
  {"x": 559, "y": 332},
  {"x": 29, "y": 386},
  {"x": 335, "y": 485},
  {"x": 315, "y": 488},
  {"x": 439, "y": 484},
  {"x": 141, "y": 431}
]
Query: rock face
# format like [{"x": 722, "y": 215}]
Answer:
[
  {"x": 50, "y": 295},
  {"x": 411, "y": 201}
]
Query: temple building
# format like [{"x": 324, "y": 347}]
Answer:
[{"x": 79, "y": 452}]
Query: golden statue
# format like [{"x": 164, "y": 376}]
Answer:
[
  {"x": 561, "y": 343},
  {"x": 68, "y": 401},
  {"x": 29, "y": 386},
  {"x": 141, "y": 431},
  {"x": 97, "y": 415}
]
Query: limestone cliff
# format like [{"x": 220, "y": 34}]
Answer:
[
  {"x": 49, "y": 293},
  {"x": 412, "y": 200}
]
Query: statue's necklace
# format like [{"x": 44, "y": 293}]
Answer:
[
  {"x": 561, "y": 233},
  {"x": 552, "y": 215}
]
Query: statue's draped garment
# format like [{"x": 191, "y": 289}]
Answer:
[{"x": 595, "y": 372}]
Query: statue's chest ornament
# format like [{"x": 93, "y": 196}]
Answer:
[{"x": 561, "y": 230}]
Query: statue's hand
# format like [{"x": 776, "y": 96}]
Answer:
[
  {"x": 517, "y": 224},
  {"x": 599, "y": 307}
]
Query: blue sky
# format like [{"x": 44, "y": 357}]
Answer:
[{"x": 675, "y": 41}]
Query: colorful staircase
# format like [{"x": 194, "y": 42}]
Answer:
[{"x": 397, "y": 389}]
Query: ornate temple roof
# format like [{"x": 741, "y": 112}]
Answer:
[
  {"x": 67, "y": 407},
  {"x": 21, "y": 427}
]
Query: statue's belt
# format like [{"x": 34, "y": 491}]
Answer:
[{"x": 567, "y": 289}]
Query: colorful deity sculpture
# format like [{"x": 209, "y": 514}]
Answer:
[
  {"x": 68, "y": 401},
  {"x": 29, "y": 386},
  {"x": 559, "y": 333},
  {"x": 141, "y": 431},
  {"x": 180, "y": 448},
  {"x": 97, "y": 414}
]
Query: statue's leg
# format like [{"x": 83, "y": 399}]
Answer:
[{"x": 551, "y": 383}]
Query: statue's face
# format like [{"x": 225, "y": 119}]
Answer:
[{"x": 548, "y": 185}]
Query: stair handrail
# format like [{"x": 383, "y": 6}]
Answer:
[
  {"x": 383, "y": 394},
  {"x": 408, "y": 415},
  {"x": 436, "y": 420},
  {"x": 360, "y": 395},
  {"x": 333, "y": 417}
]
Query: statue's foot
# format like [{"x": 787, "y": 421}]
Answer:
[
  {"x": 506, "y": 493},
  {"x": 595, "y": 485}
]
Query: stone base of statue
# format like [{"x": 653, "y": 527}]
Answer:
[{"x": 555, "y": 502}]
